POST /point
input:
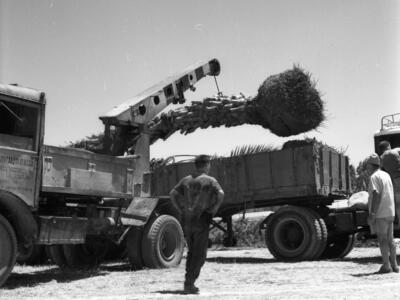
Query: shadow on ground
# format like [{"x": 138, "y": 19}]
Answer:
[
  {"x": 241, "y": 260},
  {"x": 364, "y": 260},
  {"x": 173, "y": 292},
  {"x": 17, "y": 280}
]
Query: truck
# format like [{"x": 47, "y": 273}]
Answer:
[
  {"x": 76, "y": 203},
  {"x": 303, "y": 179}
]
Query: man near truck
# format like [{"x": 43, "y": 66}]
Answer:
[
  {"x": 202, "y": 196},
  {"x": 381, "y": 213},
  {"x": 390, "y": 162}
]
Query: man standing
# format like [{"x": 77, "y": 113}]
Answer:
[
  {"x": 390, "y": 162},
  {"x": 202, "y": 196},
  {"x": 381, "y": 212}
]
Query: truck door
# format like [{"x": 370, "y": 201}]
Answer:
[{"x": 20, "y": 138}]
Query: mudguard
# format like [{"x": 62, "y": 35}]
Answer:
[
  {"x": 139, "y": 211},
  {"x": 20, "y": 217}
]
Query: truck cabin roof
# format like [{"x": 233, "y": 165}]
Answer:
[{"x": 15, "y": 91}]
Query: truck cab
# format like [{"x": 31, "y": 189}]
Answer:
[
  {"x": 389, "y": 131},
  {"x": 21, "y": 137}
]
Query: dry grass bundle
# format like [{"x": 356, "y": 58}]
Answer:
[
  {"x": 288, "y": 103},
  {"x": 93, "y": 143},
  {"x": 251, "y": 149}
]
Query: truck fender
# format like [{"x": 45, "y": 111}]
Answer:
[
  {"x": 18, "y": 213},
  {"x": 142, "y": 208},
  {"x": 139, "y": 211}
]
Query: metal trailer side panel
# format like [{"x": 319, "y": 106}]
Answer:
[
  {"x": 73, "y": 171},
  {"x": 255, "y": 180}
]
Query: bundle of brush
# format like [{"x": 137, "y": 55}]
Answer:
[{"x": 287, "y": 104}]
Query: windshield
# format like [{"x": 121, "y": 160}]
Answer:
[{"x": 18, "y": 125}]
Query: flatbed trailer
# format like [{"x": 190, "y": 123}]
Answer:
[{"x": 302, "y": 179}]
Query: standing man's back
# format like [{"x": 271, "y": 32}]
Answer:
[
  {"x": 390, "y": 162},
  {"x": 198, "y": 198}
]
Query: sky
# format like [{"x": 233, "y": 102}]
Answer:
[{"x": 90, "y": 55}]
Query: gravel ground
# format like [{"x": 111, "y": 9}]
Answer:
[{"x": 237, "y": 273}]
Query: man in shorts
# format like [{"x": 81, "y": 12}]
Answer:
[
  {"x": 197, "y": 197},
  {"x": 381, "y": 213}
]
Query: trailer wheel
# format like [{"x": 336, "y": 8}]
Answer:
[
  {"x": 162, "y": 243},
  {"x": 56, "y": 255},
  {"x": 8, "y": 249},
  {"x": 339, "y": 246},
  {"x": 134, "y": 247},
  {"x": 86, "y": 256},
  {"x": 293, "y": 233}
]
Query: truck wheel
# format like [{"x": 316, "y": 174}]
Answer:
[
  {"x": 339, "y": 246},
  {"x": 56, "y": 255},
  {"x": 134, "y": 247},
  {"x": 8, "y": 249},
  {"x": 34, "y": 255},
  {"x": 293, "y": 233},
  {"x": 324, "y": 236},
  {"x": 162, "y": 243},
  {"x": 86, "y": 256}
]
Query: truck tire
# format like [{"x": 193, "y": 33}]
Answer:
[
  {"x": 134, "y": 247},
  {"x": 34, "y": 255},
  {"x": 324, "y": 236},
  {"x": 162, "y": 243},
  {"x": 8, "y": 249},
  {"x": 86, "y": 256},
  {"x": 339, "y": 246},
  {"x": 56, "y": 255},
  {"x": 293, "y": 233}
]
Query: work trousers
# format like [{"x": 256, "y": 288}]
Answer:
[
  {"x": 196, "y": 235},
  {"x": 396, "y": 192}
]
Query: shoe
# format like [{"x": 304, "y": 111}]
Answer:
[
  {"x": 384, "y": 270},
  {"x": 191, "y": 289},
  {"x": 395, "y": 269}
]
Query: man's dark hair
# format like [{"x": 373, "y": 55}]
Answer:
[
  {"x": 383, "y": 146},
  {"x": 201, "y": 161}
]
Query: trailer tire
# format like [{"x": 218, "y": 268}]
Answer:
[
  {"x": 162, "y": 243},
  {"x": 86, "y": 256},
  {"x": 8, "y": 249},
  {"x": 56, "y": 255},
  {"x": 339, "y": 246},
  {"x": 134, "y": 248},
  {"x": 293, "y": 233}
]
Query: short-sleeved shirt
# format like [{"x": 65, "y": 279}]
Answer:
[
  {"x": 381, "y": 183},
  {"x": 390, "y": 162},
  {"x": 199, "y": 193}
]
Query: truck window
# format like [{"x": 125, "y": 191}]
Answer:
[
  {"x": 393, "y": 139},
  {"x": 18, "y": 125}
]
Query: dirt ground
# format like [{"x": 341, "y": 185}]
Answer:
[{"x": 228, "y": 274}]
